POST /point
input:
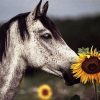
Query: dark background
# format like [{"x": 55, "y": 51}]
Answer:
[{"x": 82, "y": 32}]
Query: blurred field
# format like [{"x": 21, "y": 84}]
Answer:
[{"x": 32, "y": 81}]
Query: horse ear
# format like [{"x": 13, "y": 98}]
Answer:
[
  {"x": 45, "y": 8},
  {"x": 37, "y": 11}
]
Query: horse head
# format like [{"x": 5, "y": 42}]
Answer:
[{"x": 45, "y": 47}]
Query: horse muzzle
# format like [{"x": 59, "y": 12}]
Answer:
[{"x": 69, "y": 79}]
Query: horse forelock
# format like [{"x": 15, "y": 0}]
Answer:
[{"x": 47, "y": 23}]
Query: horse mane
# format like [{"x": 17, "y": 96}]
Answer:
[
  {"x": 21, "y": 18},
  {"x": 22, "y": 26}
]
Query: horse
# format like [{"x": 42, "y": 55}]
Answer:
[{"x": 32, "y": 39}]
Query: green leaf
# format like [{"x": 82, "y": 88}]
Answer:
[{"x": 83, "y": 50}]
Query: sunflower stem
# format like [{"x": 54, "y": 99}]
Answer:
[{"x": 96, "y": 91}]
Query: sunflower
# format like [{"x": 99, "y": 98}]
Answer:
[
  {"x": 45, "y": 92},
  {"x": 87, "y": 66}
]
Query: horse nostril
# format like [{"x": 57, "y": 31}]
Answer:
[{"x": 69, "y": 79}]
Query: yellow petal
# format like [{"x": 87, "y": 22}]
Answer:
[
  {"x": 91, "y": 51},
  {"x": 88, "y": 56}
]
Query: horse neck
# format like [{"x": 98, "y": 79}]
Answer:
[{"x": 11, "y": 68}]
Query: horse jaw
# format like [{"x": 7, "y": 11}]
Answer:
[{"x": 53, "y": 72}]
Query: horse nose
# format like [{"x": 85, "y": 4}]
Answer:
[{"x": 69, "y": 79}]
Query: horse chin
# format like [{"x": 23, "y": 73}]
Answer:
[
  {"x": 66, "y": 74},
  {"x": 69, "y": 79}
]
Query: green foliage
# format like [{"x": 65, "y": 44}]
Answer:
[{"x": 83, "y": 50}]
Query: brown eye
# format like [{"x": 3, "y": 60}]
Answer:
[{"x": 46, "y": 36}]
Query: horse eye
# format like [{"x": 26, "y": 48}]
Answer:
[{"x": 46, "y": 36}]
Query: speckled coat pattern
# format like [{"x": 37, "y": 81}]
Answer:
[{"x": 30, "y": 39}]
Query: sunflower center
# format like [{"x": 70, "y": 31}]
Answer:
[
  {"x": 91, "y": 65},
  {"x": 45, "y": 92}
]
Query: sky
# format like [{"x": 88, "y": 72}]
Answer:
[{"x": 57, "y": 8}]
